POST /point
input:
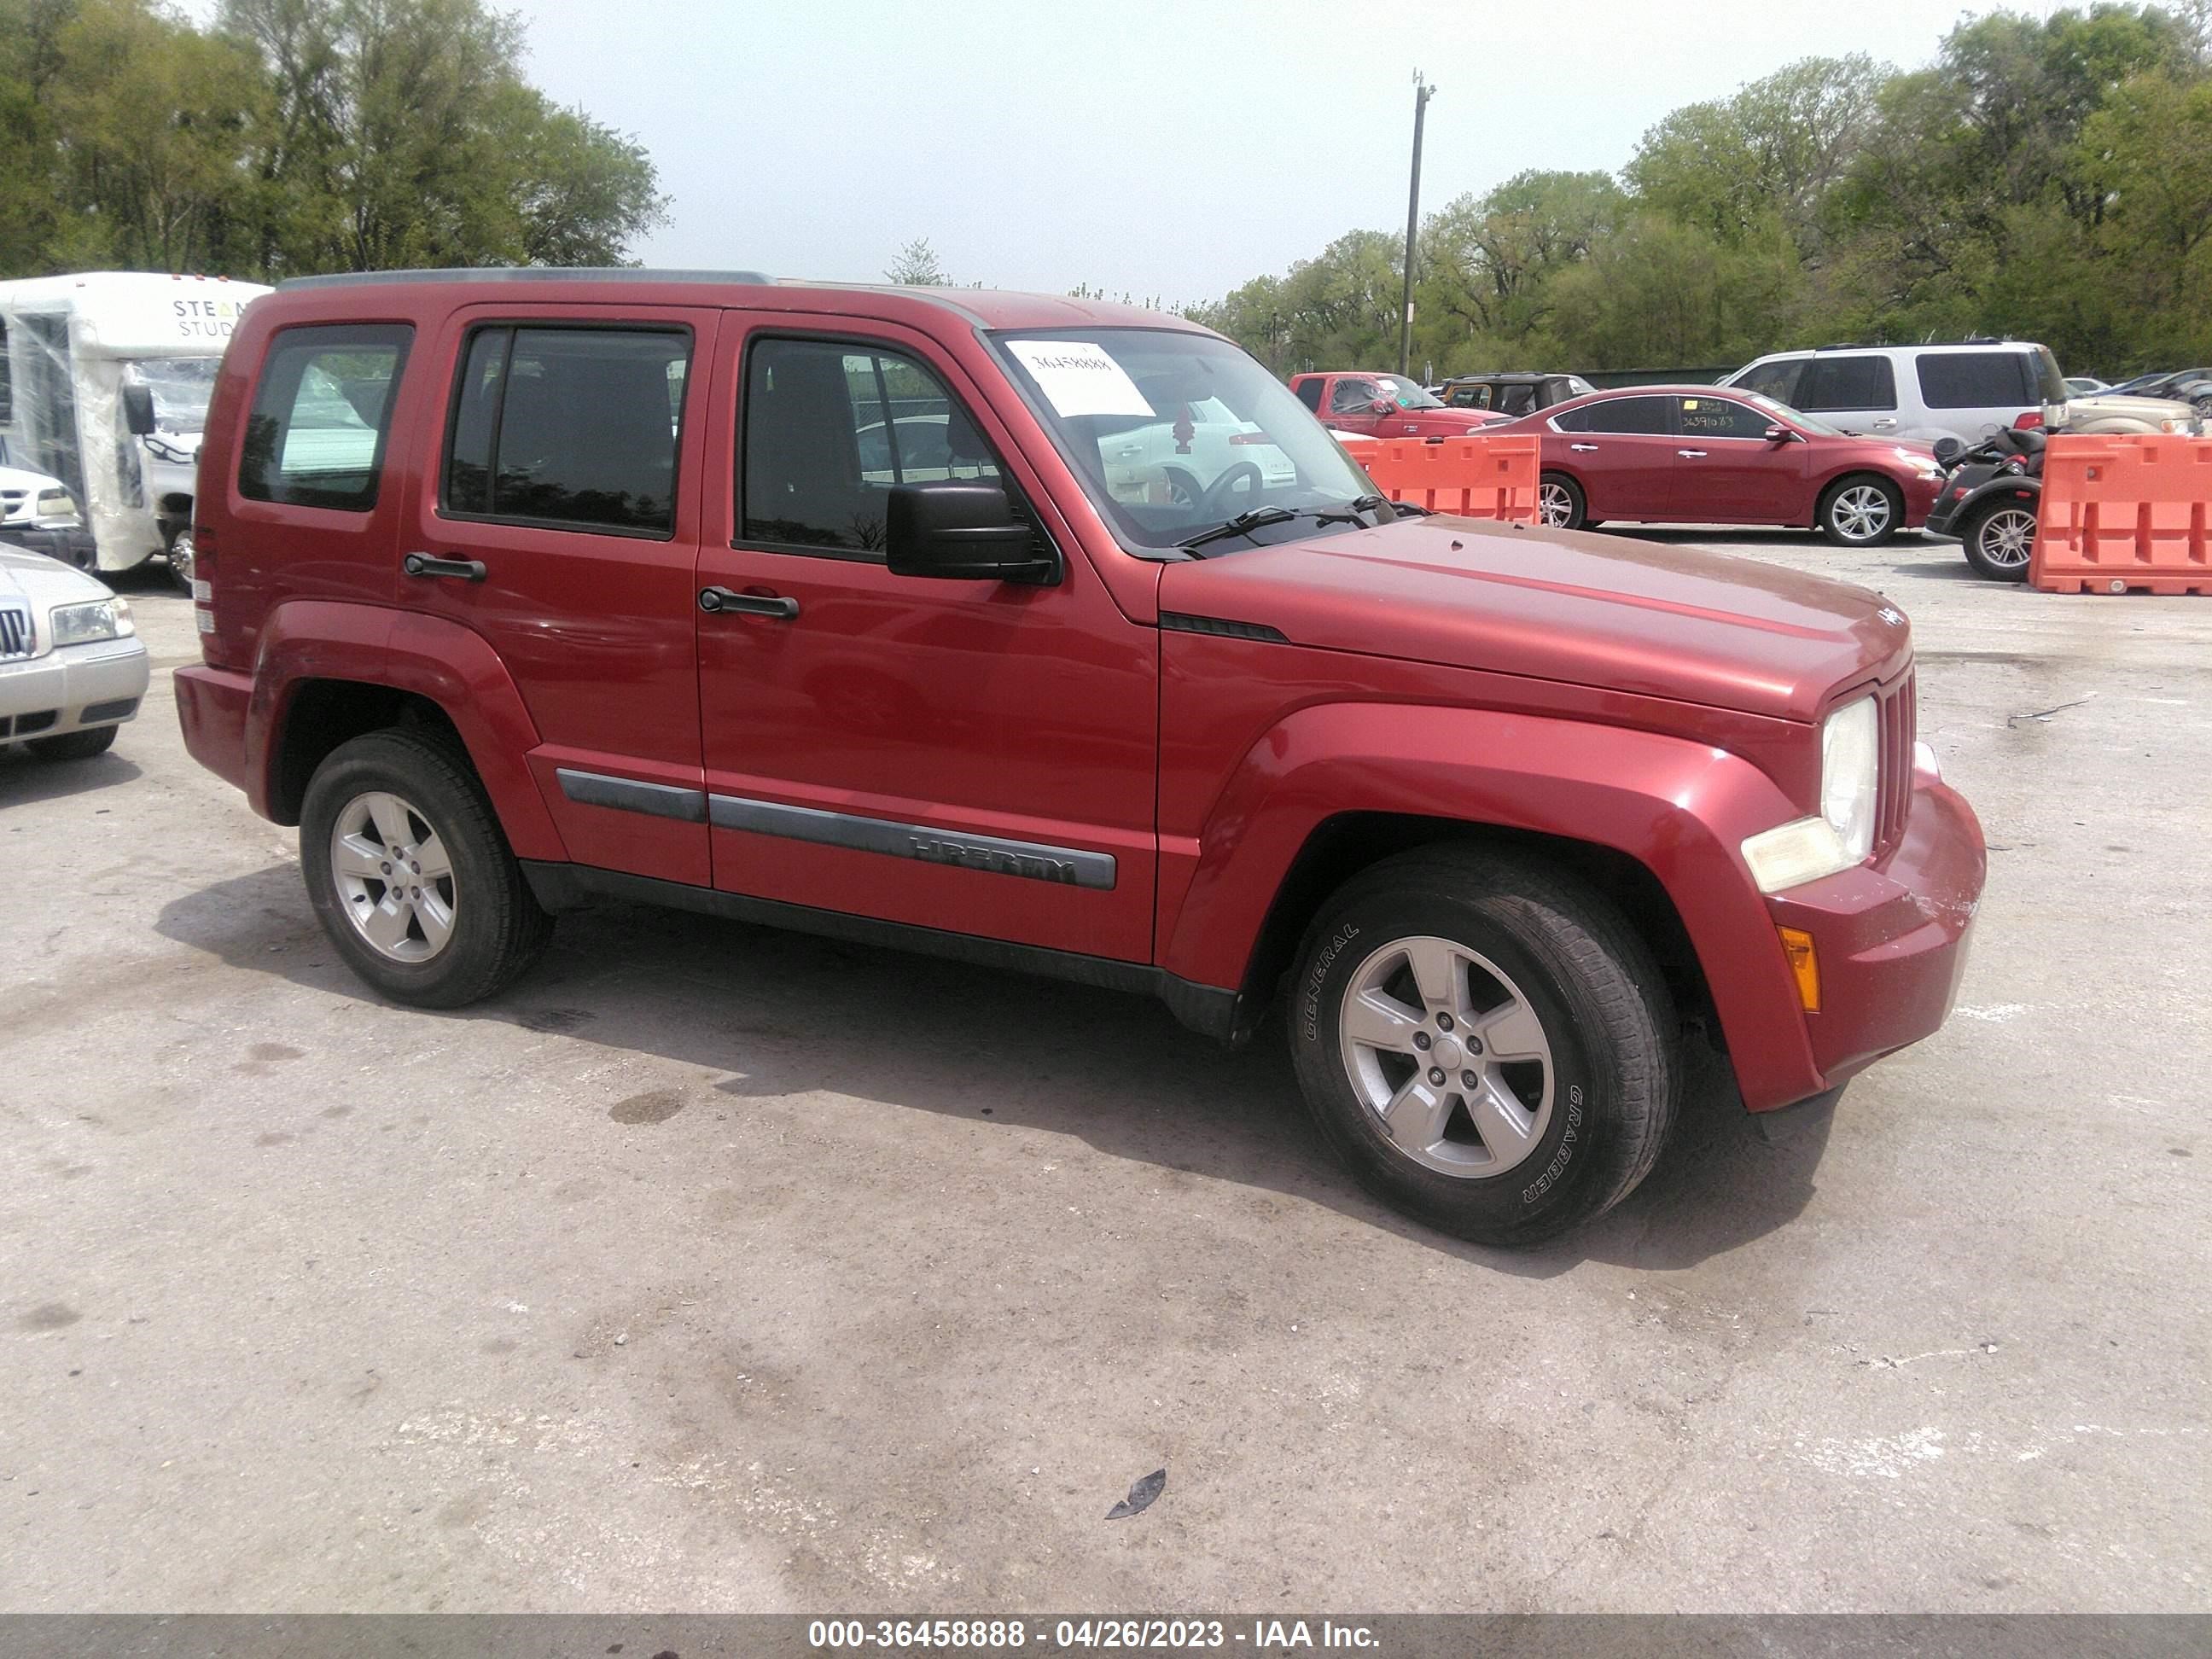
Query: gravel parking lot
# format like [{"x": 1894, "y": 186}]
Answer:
[{"x": 720, "y": 1269}]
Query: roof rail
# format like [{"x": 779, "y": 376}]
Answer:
[{"x": 524, "y": 274}]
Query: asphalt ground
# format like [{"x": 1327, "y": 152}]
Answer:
[{"x": 713, "y": 1268}]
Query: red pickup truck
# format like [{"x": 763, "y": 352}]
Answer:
[
  {"x": 1379, "y": 405},
  {"x": 877, "y": 612}
]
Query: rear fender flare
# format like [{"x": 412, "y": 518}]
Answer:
[
  {"x": 427, "y": 656},
  {"x": 1679, "y": 809}
]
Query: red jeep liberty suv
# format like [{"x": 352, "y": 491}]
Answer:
[{"x": 848, "y": 609}]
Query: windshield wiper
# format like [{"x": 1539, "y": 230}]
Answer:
[
  {"x": 1259, "y": 517},
  {"x": 1243, "y": 524}
]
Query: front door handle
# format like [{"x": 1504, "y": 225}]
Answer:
[
  {"x": 715, "y": 600},
  {"x": 429, "y": 564},
  {"x": 1691, "y": 454},
  {"x": 1589, "y": 448},
  {"x": 1885, "y": 424}
]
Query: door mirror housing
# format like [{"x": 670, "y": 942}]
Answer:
[
  {"x": 138, "y": 409},
  {"x": 1780, "y": 434},
  {"x": 963, "y": 532},
  {"x": 1381, "y": 406}
]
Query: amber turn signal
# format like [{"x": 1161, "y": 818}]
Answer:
[{"x": 1798, "y": 945}]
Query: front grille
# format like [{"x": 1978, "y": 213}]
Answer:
[
  {"x": 1899, "y": 727},
  {"x": 15, "y": 637}
]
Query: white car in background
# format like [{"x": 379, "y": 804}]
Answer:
[
  {"x": 38, "y": 513},
  {"x": 72, "y": 667},
  {"x": 1183, "y": 454}
]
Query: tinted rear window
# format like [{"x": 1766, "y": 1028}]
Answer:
[
  {"x": 1842, "y": 383},
  {"x": 1976, "y": 379},
  {"x": 1309, "y": 393},
  {"x": 315, "y": 437}
]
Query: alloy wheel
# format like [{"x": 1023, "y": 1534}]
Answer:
[
  {"x": 2007, "y": 538},
  {"x": 1449, "y": 1055},
  {"x": 1861, "y": 512},
  {"x": 394, "y": 877},
  {"x": 1555, "y": 508}
]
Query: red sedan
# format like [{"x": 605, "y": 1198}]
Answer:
[{"x": 1699, "y": 454}]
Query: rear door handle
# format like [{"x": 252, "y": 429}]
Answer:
[
  {"x": 715, "y": 600},
  {"x": 1583, "y": 446},
  {"x": 1690, "y": 454},
  {"x": 1885, "y": 424},
  {"x": 429, "y": 564}
]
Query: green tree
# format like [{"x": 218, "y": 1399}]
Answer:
[{"x": 917, "y": 265}]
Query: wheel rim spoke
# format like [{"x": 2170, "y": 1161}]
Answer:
[
  {"x": 434, "y": 917},
  {"x": 389, "y": 814},
  {"x": 1507, "y": 1128},
  {"x": 357, "y": 855},
  {"x": 386, "y": 923},
  {"x": 1381, "y": 1021},
  {"x": 1437, "y": 971},
  {"x": 1513, "y": 1033},
  {"x": 430, "y": 857},
  {"x": 1416, "y": 1114}
]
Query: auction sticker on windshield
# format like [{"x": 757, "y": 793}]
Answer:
[{"x": 1079, "y": 378}]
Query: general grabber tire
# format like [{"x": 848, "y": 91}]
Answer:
[
  {"x": 410, "y": 875},
  {"x": 1530, "y": 996}
]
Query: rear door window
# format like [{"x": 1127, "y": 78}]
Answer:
[
  {"x": 1976, "y": 379},
  {"x": 572, "y": 428},
  {"x": 316, "y": 434},
  {"x": 1842, "y": 383},
  {"x": 1625, "y": 415}
]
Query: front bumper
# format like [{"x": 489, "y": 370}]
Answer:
[
  {"x": 72, "y": 688},
  {"x": 1892, "y": 936}
]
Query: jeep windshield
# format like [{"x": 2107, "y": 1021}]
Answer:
[{"x": 1175, "y": 435}]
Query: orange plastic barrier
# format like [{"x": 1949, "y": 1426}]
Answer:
[
  {"x": 2125, "y": 513},
  {"x": 1475, "y": 476}
]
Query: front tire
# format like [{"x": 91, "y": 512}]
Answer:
[
  {"x": 1560, "y": 504},
  {"x": 410, "y": 875},
  {"x": 2000, "y": 541},
  {"x": 75, "y": 745},
  {"x": 1864, "y": 511},
  {"x": 1485, "y": 1043}
]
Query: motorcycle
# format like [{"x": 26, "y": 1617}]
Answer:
[{"x": 1989, "y": 502}]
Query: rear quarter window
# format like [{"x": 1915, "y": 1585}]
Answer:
[
  {"x": 1976, "y": 379},
  {"x": 1308, "y": 392},
  {"x": 322, "y": 410}
]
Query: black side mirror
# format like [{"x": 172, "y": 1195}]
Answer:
[
  {"x": 967, "y": 532},
  {"x": 138, "y": 409},
  {"x": 1780, "y": 434}
]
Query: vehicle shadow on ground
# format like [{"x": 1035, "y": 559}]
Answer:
[
  {"x": 762, "y": 1009},
  {"x": 24, "y": 778}
]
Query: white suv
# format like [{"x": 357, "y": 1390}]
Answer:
[{"x": 1925, "y": 392}]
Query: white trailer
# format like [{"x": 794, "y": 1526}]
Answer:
[{"x": 107, "y": 378}]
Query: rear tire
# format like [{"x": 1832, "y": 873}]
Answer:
[
  {"x": 180, "y": 559},
  {"x": 1560, "y": 504},
  {"x": 1861, "y": 510},
  {"x": 1528, "y": 994},
  {"x": 2000, "y": 541},
  {"x": 393, "y": 809},
  {"x": 75, "y": 745}
]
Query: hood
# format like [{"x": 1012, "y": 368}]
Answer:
[
  {"x": 2153, "y": 410},
  {"x": 44, "y": 581},
  {"x": 1555, "y": 605}
]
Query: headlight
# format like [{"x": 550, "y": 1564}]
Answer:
[
  {"x": 58, "y": 506},
  {"x": 1842, "y": 834},
  {"x": 83, "y": 624}
]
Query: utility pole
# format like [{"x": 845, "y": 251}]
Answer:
[{"x": 1422, "y": 93}]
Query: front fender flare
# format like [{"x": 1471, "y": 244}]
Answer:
[{"x": 1679, "y": 809}]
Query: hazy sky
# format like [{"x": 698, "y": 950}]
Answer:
[{"x": 1172, "y": 151}]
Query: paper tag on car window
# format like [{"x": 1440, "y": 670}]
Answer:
[{"x": 1078, "y": 378}]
